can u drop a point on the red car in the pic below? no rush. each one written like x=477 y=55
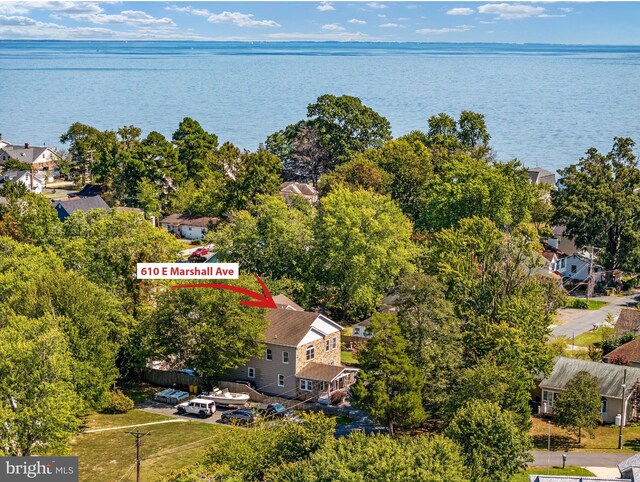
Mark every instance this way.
x=200 y=252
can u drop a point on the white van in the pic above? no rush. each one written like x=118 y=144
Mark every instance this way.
x=198 y=406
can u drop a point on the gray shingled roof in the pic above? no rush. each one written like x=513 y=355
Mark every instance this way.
x=180 y=219
x=283 y=301
x=633 y=461
x=288 y=327
x=24 y=155
x=66 y=207
x=569 y=478
x=610 y=377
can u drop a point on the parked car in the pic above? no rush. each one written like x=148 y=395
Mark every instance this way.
x=240 y=417
x=171 y=395
x=200 y=252
x=197 y=406
x=189 y=371
x=275 y=410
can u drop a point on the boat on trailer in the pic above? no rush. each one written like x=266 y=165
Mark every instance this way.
x=226 y=398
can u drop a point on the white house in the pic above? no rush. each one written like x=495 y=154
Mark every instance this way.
x=189 y=227
x=33 y=183
x=41 y=158
x=576 y=267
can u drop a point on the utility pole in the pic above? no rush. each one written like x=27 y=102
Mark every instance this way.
x=90 y=152
x=138 y=435
x=590 y=283
x=624 y=411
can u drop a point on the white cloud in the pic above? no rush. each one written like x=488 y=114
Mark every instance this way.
x=460 y=11
x=507 y=11
x=389 y=25
x=566 y=10
x=235 y=18
x=356 y=21
x=333 y=27
x=325 y=7
x=490 y=22
x=54 y=6
x=21 y=27
x=240 y=19
x=126 y=17
x=201 y=12
x=440 y=31
x=376 y=5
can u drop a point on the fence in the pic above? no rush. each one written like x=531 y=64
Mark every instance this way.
x=164 y=378
x=258 y=397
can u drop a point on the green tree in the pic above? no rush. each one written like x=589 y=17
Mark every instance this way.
x=358 y=173
x=270 y=239
x=378 y=458
x=347 y=126
x=598 y=200
x=467 y=187
x=256 y=173
x=433 y=334
x=34 y=284
x=507 y=386
x=363 y=244
x=87 y=146
x=196 y=147
x=29 y=218
x=39 y=410
x=13 y=190
x=389 y=385
x=207 y=330
x=494 y=446
x=578 y=407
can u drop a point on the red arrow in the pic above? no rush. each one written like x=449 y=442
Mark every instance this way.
x=264 y=300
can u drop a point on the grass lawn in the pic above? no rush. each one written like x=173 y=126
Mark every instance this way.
x=524 y=477
x=605 y=440
x=110 y=456
x=593 y=304
x=591 y=337
x=347 y=358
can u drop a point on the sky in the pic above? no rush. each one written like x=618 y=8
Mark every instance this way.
x=612 y=23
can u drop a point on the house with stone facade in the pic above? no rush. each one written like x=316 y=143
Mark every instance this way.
x=301 y=357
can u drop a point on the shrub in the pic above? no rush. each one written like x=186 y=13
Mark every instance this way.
x=578 y=303
x=117 y=402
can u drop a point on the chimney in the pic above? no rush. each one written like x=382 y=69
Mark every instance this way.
x=26 y=145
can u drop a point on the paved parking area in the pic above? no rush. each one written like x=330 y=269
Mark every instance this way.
x=170 y=411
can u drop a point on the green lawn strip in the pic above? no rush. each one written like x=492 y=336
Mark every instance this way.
x=347 y=358
x=133 y=417
x=577 y=302
x=107 y=456
x=590 y=337
x=605 y=438
x=524 y=477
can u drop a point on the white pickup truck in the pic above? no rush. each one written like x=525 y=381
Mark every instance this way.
x=198 y=406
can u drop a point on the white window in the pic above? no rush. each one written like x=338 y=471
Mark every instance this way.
x=285 y=357
x=251 y=372
x=549 y=397
x=334 y=341
x=603 y=410
x=356 y=331
x=268 y=355
x=327 y=345
x=311 y=353
x=281 y=380
x=306 y=385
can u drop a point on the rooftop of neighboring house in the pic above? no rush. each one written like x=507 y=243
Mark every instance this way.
x=610 y=377
x=186 y=220
x=24 y=153
x=629 y=352
x=88 y=190
x=284 y=302
x=304 y=190
x=628 y=320
x=15 y=175
x=292 y=327
x=539 y=174
x=69 y=206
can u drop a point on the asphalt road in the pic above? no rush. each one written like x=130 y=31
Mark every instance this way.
x=574 y=322
x=580 y=459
